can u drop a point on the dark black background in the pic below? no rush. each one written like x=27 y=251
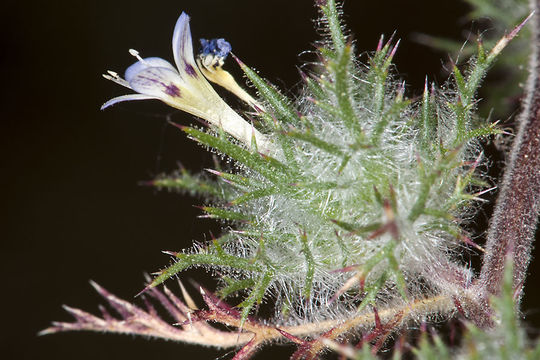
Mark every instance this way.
x=72 y=206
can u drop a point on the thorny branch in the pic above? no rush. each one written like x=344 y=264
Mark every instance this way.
x=193 y=325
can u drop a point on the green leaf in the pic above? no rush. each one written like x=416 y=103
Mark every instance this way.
x=330 y=109
x=183 y=181
x=257 y=293
x=398 y=274
x=439 y=214
x=427 y=181
x=378 y=257
x=353 y=228
x=234 y=179
x=429 y=121
x=255 y=194
x=234 y=286
x=310 y=265
x=331 y=15
x=371 y=291
x=460 y=82
x=391 y=114
x=218 y=213
x=286 y=144
x=315 y=88
x=343 y=248
x=488 y=130
x=341 y=70
x=267 y=166
x=184 y=261
x=278 y=102
x=317 y=142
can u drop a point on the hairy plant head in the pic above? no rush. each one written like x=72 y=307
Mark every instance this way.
x=356 y=195
x=345 y=203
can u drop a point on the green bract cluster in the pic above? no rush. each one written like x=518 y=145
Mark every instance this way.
x=362 y=191
x=502 y=93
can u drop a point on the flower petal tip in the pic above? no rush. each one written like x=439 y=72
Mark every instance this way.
x=181 y=24
x=183 y=16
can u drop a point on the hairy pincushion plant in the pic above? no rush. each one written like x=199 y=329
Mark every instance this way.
x=343 y=208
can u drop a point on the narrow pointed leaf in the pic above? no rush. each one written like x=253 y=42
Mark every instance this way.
x=218 y=213
x=185 y=261
x=265 y=165
x=280 y=104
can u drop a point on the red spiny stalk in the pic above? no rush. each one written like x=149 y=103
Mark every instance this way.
x=136 y=321
x=247 y=350
x=381 y=331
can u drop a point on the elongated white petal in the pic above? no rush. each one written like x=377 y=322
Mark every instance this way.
x=126 y=98
x=146 y=63
x=182 y=47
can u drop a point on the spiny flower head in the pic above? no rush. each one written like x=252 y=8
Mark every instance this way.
x=350 y=197
x=353 y=195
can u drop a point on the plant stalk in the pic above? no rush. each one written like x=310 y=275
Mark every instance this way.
x=512 y=228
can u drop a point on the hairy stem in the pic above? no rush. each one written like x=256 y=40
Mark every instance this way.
x=513 y=223
x=416 y=310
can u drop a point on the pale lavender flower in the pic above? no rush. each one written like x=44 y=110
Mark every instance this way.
x=183 y=87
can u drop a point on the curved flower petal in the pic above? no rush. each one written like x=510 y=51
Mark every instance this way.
x=159 y=82
x=126 y=98
x=146 y=63
x=183 y=47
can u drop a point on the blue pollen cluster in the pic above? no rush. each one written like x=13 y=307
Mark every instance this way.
x=217 y=47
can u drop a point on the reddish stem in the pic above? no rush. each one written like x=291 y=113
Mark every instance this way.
x=513 y=224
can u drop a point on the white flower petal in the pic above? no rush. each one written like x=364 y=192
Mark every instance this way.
x=146 y=63
x=126 y=98
x=183 y=48
x=159 y=82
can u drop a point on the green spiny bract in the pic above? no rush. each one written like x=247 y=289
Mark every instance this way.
x=502 y=98
x=362 y=192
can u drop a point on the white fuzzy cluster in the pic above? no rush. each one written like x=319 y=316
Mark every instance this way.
x=281 y=220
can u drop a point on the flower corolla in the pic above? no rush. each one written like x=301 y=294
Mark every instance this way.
x=183 y=87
